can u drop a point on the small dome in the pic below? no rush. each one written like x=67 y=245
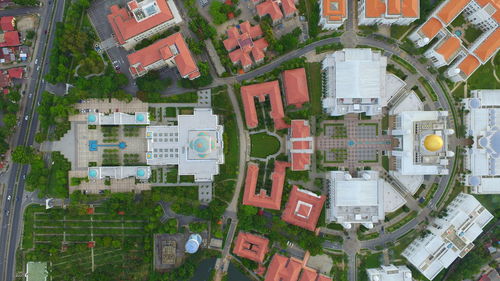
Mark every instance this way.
x=140 y=173
x=91 y=118
x=92 y=173
x=483 y=142
x=474 y=181
x=433 y=142
x=474 y=103
x=495 y=142
x=139 y=117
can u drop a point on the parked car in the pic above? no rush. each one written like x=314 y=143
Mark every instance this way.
x=26 y=117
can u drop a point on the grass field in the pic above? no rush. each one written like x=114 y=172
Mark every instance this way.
x=368 y=261
x=483 y=78
x=404 y=63
x=263 y=145
x=313 y=71
x=402 y=222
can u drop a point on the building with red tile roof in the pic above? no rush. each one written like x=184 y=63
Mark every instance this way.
x=303 y=208
x=447 y=49
x=141 y=20
x=400 y=12
x=261 y=90
x=170 y=51
x=245 y=45
x=7 y=23
x=333 y=13
x=283 y=269
x=295 y=87
x=300 y=144
x=250 y=246
x=261 y=199
x=9 y=39
x=276 y=9
x=16 y=73
x=309 y=274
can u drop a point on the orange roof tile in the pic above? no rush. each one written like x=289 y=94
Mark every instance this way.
x=394 y=7
x=374 y=8
x=162 y=50
x=469 y=65
x=411 y=8
x=451 y=9
x=309 y=274
x=10 y=39
x=242 y=40
x=125 y=26
x=449 y=48
x=7 y=23
x=303 y=208
x=262 y=200
x=300 y=129
x=489 y=46
x=271 y=8
x=431 y=28
x=288 y=7
x=271 y=89
x=16 y=72
x=251 y=247
x=334 y=10
x=283 y=269
x=295 y=84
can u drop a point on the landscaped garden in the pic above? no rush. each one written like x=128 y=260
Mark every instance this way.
x=263 y=145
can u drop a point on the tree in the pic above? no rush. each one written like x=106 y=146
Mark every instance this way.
x=205 y=78
x=9 y=120
x=26 y=2
x=195 y=46
x=23 y=154
x=152 y=82
x=216 y=11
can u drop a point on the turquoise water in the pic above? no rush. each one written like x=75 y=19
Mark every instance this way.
x=458 y=33
x=202 y=272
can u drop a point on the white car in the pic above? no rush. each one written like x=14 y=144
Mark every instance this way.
x=36 y=61
x=8 y=197
x=26 y=117
x=30 y=95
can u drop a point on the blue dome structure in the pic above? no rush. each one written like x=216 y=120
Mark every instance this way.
x=139 y=117
x=91 y=118
x=92 y=173
x=474 y=181
x=475 y=103
x=193 y=243
x=495 y=142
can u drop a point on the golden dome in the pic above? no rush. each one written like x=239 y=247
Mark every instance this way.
x=433 y=142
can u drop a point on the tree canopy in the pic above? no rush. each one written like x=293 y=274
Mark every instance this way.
x=23 y=154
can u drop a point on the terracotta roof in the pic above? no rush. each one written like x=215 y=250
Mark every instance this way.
x=288 y=7
x=262 y=200
x=16 y=73
x=411 y=8
x=295 y=84
x=489 y=46
x=125 y=26
x=309 y=274
x=300 y=129
x=451 y=9
x=241 y=39
x=431 y=28
x=163 y=50
x=283 y=269
x=7 y=23
x=374 y=8
x=303 y=208
x=449 y=48
x=469 y=65
x=271 y=8
x=251 y=246
x=334 y=10
x=394 y=7
x=271 y=89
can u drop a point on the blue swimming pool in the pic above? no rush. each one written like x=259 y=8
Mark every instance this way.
x=458 y=32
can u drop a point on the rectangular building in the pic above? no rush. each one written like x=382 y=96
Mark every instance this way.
x=400 y=12
x=333 y=13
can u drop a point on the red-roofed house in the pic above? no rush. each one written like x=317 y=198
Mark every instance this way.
x=276 y=9
x=283 y=269
x=142 y=19
x=272 y=90
x=303 y=208
x=262 y=200
x=444 y=51
x=300 y=144
x=295 y=84
x=309 y=274
x=171 y=51
x=16 y=72
x=10 y=39
x=7 y=23
x=250 y=246
x=243 y=44
x=400 y=12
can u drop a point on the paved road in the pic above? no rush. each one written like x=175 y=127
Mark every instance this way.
x=12 y=223
x=21 y=11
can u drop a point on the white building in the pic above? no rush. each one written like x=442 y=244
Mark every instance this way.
x=483 y=14
x=389 y=273
x=400 y=12
x=482 y=159
x=195 y=144
x=450 y=237
x=333 y=13
x=420 y=143
x=363 y=200
x=355 y=81
x=118 y=118
x=119 y=172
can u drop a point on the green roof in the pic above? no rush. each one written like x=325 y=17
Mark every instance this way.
x=36 y=271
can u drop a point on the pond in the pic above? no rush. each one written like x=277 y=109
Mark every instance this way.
x=203 y=270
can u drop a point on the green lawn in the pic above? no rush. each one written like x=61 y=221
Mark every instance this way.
x=313 y=71
x=458 y=94
x=404 y=63
x=491 y=203
x=399 y=30
x=263 y=145
x=385 y=162
x=483 y=78
x=368 y=261
x=472 y=33
x=458 y=21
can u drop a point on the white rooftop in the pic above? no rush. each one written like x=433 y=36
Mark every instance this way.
x=482 y=124
x=119 y=172
x=450 y=237
x=195 y=144
x=118 y=118
x=389 y=273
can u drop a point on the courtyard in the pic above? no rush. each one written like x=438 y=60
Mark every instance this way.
x=352 y=143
